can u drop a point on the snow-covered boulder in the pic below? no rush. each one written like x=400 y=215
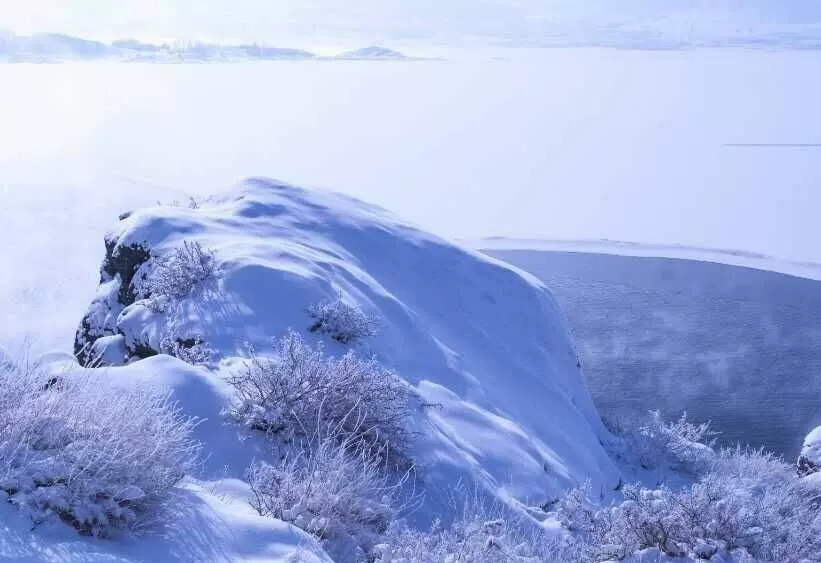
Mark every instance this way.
x=809 y=461
x=483 y=345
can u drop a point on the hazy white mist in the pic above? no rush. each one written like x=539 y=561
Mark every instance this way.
x=448 y=20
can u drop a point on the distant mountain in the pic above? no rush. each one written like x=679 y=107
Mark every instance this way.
x=373 y=53
x=51 y=47
x=47 y=45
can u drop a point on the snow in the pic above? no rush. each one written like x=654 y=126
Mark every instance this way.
x=482 y=342
x=122 y=137
x=211 y=523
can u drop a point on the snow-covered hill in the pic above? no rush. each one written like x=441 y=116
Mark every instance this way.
x=482 y=342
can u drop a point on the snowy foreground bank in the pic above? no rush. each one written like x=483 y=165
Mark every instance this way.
x=343 y=371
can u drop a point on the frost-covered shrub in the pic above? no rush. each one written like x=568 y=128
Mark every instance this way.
x=299 y=391
x=478 y=535
x=679 y=445
x=576 y=512
x=747 y=501
x=175 y=276
x=344 y=323
x=193 y=350
x=98 y=457
x=331 y=489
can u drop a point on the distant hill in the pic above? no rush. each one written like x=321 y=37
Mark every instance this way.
x=51 y=47
x=373 y=53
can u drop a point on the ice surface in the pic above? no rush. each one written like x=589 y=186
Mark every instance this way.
x=562 y=143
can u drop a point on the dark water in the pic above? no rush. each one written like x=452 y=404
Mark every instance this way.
x=737 y=346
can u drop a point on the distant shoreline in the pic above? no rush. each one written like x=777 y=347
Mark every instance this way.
x=56 y=48
x=807 y=270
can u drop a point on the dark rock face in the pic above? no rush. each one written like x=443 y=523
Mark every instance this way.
x=141 y=351
x=117 y=291
x=123 y=261
x=806 y=467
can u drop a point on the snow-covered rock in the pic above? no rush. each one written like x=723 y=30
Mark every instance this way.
x=809 y=461
x=483 y=344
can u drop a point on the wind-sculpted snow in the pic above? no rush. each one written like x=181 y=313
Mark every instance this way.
x=501 y=401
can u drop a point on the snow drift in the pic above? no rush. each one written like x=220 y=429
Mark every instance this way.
x=482 y=344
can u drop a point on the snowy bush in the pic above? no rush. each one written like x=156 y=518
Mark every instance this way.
x=344 y=323
x=301 y=392
x=478 y=535
x=193 y=350
x=680 y=445
x=747 y=501
x=331 y=489
x=176 y=275
x=98 y=457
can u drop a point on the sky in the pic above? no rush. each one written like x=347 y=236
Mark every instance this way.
x=271 y=20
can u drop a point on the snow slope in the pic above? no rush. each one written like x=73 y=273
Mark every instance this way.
x=209 y=526
x=808 y=270
x=483 y=342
